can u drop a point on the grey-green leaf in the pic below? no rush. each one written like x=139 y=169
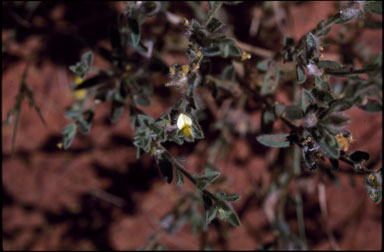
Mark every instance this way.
x=294 y=112
x=69 y=133
x=166 y=170
x=179 y=178
x=358 y=156
x=329 y=144
x=228 y=197
x=94 y=81
x=210 y=214
x=306 y=99
x=214 y=25
x=301 y=77
x=279 y=140
x=233 y=219
x=374 y=6
x=135 y=31
x=372 y=106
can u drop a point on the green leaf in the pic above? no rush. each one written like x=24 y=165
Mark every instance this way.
x=263 y=65
x=321 y=85
x=301 y=77
x=202 y=182
x=69 y=133
x=228 y=73
x=94 y=81
x=374 y=6
x=306 y=99
x=85 y=121
x=211 y=173
x=328 y=64
x=278 y=110
x=143 y=100
x=358 y=157
x=179 y=178
x=207 y=200
x=372 y=106
x=279 y=140
x=151 y=7
x=165 y=167
x=323 y=97
x=214 y=25
x=336 y=122
x=312 y=48
x=324 y=32
x=211 y=51
x=210 y=214
x=84 y=65
x=145 y=120
x=225 y=212
x=329 y=144
x=87 y=58
x=228 y=197
x=271 y=81
x=117 y=110
x=267 y=120
x=233 y=219
x=135 y=31
x=294 y=112
x=309 y=159
x=229 y=48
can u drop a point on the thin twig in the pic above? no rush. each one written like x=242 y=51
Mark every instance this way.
x=265 y=53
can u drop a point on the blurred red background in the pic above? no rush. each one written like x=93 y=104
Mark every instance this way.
x=97 y=196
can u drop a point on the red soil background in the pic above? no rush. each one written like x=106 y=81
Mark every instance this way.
x=55 y=199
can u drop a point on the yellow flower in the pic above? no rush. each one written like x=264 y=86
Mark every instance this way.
x=184 y=124
x=79 y=94
x=186 y=22
x=171 y=71
x=185 y=69
x=59 y=145
x=344 y=142
x=198 y=53
x=245 y=56
x=371 y=177
x=195 y=67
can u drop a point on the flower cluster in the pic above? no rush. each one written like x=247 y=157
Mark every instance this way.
x=344 y=140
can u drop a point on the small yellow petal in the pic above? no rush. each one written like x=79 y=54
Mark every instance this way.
x=80 y=94
x=245 y=56
x=185 y=69
x=187 y=131
x=78 y=80
x=60 y=145
x=342 y=142
x=172 y=71
x=371 y=177
x=186 y=22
